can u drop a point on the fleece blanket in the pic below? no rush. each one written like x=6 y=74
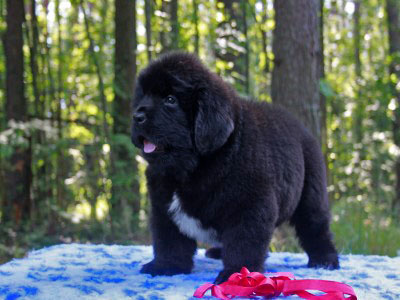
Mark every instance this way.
x=76 y=271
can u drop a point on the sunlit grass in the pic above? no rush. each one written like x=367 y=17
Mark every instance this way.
x=358 y=229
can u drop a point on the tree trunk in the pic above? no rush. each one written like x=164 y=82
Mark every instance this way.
x=33 y=50
x=125 y=194
x=360 y=101
x=16 y=106
x=60 y=96
x=295 y=74
x=33 y=40
x=321 y=75
x=393 y=17
x=196 y=26
x=18 y=178
x=247 y=48
x=174 y=24
x=264 y=35
x=148 y=7
x=48 y=62
x=163 y=24
x=125 y=63
x=47 y=107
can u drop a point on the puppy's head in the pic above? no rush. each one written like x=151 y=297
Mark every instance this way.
x=180 y=108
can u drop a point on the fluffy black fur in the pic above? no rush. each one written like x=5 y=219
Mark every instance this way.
x=239 y=167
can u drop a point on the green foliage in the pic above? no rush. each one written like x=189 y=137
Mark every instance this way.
x=326 y=89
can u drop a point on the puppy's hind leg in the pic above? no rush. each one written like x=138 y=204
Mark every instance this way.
x=312 y=216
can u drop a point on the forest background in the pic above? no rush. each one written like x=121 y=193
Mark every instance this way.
x=68 y=171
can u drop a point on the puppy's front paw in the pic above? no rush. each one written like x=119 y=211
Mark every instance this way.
x=328 y=261
x=224 y=275
x=155 y=268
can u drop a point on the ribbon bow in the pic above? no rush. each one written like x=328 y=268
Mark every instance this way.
x=248 y=284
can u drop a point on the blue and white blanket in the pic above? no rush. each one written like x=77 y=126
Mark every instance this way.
x=76 y=271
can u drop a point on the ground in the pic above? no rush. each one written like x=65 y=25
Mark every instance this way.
x=76 y=271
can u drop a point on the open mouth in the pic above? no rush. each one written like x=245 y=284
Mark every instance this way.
x=148 y=147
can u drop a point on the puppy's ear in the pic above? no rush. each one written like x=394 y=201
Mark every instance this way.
x=213 y=123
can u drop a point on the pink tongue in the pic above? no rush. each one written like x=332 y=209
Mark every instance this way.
x=148 y=147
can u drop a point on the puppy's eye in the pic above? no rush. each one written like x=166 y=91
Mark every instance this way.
x=170 y=100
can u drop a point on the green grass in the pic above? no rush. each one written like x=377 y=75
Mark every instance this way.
x=365 y=229
x=358 y=228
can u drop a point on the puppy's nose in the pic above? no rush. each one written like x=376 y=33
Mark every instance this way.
x=139 y=117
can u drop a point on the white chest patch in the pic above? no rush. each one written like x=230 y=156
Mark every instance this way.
x=191 y=226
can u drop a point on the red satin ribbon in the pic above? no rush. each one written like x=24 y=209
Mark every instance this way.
x=248 y=284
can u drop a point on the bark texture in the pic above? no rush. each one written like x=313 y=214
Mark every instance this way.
x=174 y=25
x=125 y=193
x=19 y=176
x=393 y=17
x=296 y=73
x=196 y=27
x=125 y=63
x=148 y=8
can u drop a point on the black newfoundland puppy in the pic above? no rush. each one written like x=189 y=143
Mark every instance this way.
x=224 y=171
